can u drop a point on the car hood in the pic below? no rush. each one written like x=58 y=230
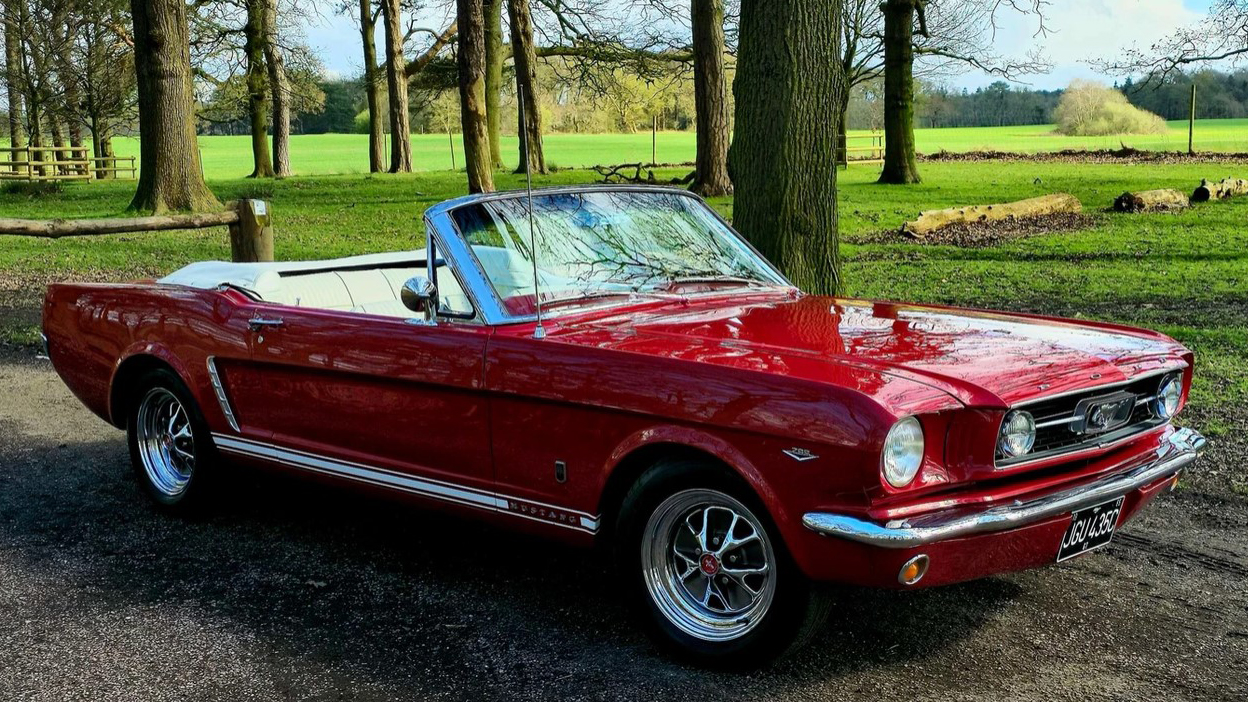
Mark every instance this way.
x=982 y=358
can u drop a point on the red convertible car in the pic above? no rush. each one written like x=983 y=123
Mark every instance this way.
x=649 y=381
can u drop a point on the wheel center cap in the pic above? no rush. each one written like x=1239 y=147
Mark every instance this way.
x=709 y=564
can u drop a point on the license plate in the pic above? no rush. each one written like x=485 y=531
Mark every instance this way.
x=1090 y=529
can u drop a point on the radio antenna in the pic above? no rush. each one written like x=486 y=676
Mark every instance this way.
x=539 y=332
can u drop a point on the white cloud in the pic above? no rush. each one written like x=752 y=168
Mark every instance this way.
x=1079 y=30
x=1082 y=30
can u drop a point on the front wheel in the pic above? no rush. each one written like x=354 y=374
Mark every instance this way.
x=710 y=571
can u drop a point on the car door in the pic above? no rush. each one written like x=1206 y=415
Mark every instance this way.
x=373 y=399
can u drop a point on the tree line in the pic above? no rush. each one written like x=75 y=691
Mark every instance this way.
x=1220 y=95
x=792 y=65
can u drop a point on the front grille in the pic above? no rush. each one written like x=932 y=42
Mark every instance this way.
x=1059 y=421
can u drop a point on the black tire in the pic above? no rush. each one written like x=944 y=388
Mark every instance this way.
x=794 y=612
x=169 y=489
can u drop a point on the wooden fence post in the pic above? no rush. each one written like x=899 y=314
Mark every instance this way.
x=251 y=239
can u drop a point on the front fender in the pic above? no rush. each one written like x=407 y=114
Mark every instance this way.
x=703 y=442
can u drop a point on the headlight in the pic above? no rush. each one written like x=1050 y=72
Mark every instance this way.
x=1168 y=395
x=903 y=452
x=1018 y=434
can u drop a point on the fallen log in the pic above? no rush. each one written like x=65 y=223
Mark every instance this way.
x=932 y=220
x=57 y=228
x=1150 y=201
x=1221 y=190
x=617 y=174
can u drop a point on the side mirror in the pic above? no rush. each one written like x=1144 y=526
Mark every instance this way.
x=420 y=295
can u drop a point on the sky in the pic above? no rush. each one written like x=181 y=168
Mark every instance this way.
x=1079 y=30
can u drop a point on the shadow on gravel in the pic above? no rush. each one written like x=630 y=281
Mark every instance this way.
x=364 y=589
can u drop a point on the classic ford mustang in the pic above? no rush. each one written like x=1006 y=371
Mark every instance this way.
x=646 y=380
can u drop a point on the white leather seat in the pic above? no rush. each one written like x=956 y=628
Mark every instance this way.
x=450 y=293
x=368 y=286
x=356 y=286
x=511 y=274
x=325 y=291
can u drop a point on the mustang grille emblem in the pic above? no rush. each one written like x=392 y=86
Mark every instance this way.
x=800 y=454
x=1101 y=414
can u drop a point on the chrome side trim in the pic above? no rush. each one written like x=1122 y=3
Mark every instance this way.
x=219 y=390
x=522 y=508
x=1180 y=449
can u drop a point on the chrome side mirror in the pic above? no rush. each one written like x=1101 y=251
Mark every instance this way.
x=420 y=295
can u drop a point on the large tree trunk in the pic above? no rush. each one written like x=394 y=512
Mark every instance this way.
x=97 y=148
x=710 y=99
x=472 y=96
x=900 y=165
x=493 y=11
x=372 y=88
x=280 y=87
x=524 y=55
x=34 y=77
x=57 y=132
x=782 y=161
x=170 y=176
x=12 y=78
x=63 y=36
x=396 y=81
x=257 y=89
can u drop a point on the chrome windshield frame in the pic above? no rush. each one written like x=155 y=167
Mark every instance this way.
x=455 y=250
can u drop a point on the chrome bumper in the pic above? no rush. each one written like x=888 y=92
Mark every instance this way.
x=44 y=354
x=1181 y=448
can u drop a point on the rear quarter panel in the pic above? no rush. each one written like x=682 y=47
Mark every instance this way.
x=93 y=330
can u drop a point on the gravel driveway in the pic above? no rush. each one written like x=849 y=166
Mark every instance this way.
x=292 y=591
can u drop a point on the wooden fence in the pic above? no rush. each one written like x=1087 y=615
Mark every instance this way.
x=873 y=152
x=62 y=163
x=251 y=230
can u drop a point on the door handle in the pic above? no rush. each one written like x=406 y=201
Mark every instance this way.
x=260 y=323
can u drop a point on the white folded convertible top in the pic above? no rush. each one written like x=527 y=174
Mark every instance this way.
x=257 y=277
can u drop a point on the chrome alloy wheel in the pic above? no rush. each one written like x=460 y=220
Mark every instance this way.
x=708 y=564
x=166 y=442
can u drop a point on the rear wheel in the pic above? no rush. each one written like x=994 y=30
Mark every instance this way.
x=170 y=448
x=709 y=569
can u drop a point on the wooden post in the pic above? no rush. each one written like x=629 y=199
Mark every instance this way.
x=1191 y=121
x=654 y=140
x=251 y=240
x=451 y=139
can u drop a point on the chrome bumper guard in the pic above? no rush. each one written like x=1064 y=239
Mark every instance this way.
x=1180 y=448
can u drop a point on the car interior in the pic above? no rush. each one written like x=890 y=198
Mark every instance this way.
x=368 y=284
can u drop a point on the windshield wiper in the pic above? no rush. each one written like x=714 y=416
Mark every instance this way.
x=590 y=297
x=725 y=279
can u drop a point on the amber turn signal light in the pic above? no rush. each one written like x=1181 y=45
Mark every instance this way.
x=913 y=570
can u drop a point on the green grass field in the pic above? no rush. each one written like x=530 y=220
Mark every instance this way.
x=322 y=154
x=1185 y=274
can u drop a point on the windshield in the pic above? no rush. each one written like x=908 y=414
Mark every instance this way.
x=593 y=246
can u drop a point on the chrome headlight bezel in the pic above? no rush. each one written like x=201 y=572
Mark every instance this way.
x=903 y=452
x=1017 y=436
x=1169 y=395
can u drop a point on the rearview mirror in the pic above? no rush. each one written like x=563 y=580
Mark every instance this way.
x=420 y=295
